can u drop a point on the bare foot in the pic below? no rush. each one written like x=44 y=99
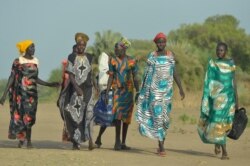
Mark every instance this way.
x=91 y=147
x=125 y=147
x=98 y=143
x=217 y=149
x=29 y=145
x=76 y=146
x=20 y=144
x=117 y=146
x=224 y=157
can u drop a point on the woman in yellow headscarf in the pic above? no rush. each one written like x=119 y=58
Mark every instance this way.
x=22 y=88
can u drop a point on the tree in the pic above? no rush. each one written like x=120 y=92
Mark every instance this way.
x=104 y=42
x=218 y=28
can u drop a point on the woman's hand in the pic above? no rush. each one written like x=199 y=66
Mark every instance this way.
x=79 y=91
x=136 y=97
x=97 y=91
x=182 y=94
x=2 y=100
x=106 y=98
x=236 y=106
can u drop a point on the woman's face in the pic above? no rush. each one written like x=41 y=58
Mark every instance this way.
x=81 y=45
x=161 y=44
x=221 y=52
x=119 y=51
x=30 y=50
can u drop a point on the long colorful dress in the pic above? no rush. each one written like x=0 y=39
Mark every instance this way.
x=123 y=87
x=155 y=99
x=23 y=97
x=77 y=111
x=218 y=102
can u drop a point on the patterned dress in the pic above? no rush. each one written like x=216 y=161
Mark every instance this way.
x=155 y=99
x=218 y=102
x=23 y=97
x=77 y=111
x=123 y=86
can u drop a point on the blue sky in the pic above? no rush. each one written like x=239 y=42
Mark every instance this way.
x=51 y=24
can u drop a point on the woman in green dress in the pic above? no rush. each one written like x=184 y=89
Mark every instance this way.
x=219 y=101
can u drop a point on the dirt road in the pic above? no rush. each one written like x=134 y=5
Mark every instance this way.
x=184 y=148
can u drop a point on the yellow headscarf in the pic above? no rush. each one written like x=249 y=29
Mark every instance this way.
x=81 y=36
x=124 y=43
x=23 y=45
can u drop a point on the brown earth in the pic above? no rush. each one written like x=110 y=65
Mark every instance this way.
x=183 y=145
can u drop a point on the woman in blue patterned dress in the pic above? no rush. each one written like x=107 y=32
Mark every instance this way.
x=155 y=99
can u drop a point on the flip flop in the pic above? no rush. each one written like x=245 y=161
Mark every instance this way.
x=161 y=154
x=98 y=144
x=125 y=147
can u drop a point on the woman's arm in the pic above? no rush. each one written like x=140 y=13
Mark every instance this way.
x=178 y=82
x=50 y=84
x=76 y=87
x=136 y=85
x=110 y=80
x=235 y=93
x=95 y=84
x=10 y=82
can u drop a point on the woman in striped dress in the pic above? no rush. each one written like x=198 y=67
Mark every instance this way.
x=155 y=99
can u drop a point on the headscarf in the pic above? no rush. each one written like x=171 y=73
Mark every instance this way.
x=81 y=37
x=124 y=43
x=160 y=35
x=23 y=45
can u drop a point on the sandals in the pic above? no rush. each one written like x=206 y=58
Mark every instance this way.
x=117 y=146
x=161 y=153
x=125 y=147
x=98 y=143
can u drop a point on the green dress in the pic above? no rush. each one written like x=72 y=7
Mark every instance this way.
x=218 y=102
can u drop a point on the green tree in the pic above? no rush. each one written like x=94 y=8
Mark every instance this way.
x=104 y=42
x=217 y=28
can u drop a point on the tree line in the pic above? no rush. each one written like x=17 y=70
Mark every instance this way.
x=192 y=44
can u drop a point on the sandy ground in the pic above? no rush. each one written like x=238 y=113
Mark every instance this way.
x=183 y=146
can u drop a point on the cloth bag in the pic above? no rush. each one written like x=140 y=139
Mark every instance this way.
x=103 y=114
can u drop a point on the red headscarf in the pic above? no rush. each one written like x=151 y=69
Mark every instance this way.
x=160 y=35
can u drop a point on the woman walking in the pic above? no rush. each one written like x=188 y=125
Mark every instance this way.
x=155 y=99
x=23 y=97
x=76 y=99
x=123 y=78
x=219 y=101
